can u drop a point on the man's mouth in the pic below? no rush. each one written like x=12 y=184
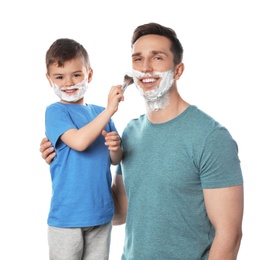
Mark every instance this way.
x=149 y=82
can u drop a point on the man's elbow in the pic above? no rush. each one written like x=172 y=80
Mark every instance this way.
x=238 y=239
x=118 y=220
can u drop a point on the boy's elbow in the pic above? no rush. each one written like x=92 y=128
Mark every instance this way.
x=80 y=146
x=79 y=149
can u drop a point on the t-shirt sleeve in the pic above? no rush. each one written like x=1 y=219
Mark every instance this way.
x=57 y=122
x=220 y=163
x=112 y=126
x=118 y=169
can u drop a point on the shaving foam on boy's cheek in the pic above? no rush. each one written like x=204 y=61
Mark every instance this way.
x=80 y=88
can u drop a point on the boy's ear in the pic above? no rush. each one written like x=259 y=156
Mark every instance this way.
x=49 y=80
x=90 y=74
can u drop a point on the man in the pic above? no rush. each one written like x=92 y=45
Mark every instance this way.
x=180 y=168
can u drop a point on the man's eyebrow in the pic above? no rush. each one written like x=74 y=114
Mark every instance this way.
x=136 y=54
x=152 y=52
x=158 y=52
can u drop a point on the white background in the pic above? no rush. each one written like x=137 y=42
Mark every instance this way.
x=229 y=57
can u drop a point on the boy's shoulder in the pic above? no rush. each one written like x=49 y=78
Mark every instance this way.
x=96 y=107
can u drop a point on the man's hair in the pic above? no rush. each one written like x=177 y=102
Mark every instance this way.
x=63 y=50
x=155 y=28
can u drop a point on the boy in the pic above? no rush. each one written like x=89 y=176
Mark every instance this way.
x=86 y=144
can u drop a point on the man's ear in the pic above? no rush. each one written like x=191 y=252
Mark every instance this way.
x=179 y=69
x=90 y=74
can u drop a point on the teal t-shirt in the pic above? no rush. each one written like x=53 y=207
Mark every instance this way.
x=165 y=167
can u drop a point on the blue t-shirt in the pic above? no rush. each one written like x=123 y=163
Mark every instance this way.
x=81 y=181
x=165 y=167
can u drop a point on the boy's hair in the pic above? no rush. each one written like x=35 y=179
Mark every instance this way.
x=155 y=28
x=65 y=49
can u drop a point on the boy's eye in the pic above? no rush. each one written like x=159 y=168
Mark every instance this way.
x=59 y=77
x=77 y=75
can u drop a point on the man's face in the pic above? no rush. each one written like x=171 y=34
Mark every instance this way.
x=151 y=53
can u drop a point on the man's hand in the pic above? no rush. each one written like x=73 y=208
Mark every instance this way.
x=47 y=150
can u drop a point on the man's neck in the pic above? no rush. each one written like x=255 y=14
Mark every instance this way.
x=173 y=109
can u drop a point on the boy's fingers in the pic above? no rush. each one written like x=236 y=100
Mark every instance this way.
x=104 y=133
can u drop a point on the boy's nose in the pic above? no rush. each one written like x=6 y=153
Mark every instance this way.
x=68 y=82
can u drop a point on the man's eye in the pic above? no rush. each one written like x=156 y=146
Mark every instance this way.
x=158 y=58
x=136 y=59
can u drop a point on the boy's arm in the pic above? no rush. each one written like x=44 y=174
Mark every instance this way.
x=113 y=141
x=80 y=139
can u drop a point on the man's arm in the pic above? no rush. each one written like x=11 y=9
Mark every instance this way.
x=120 y=200
x=225 y=210
x=47 y=150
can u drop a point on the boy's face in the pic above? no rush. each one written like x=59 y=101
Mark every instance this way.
x=72 y=73
x=69 y=81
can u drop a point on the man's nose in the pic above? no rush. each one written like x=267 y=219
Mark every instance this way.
x=146 y=66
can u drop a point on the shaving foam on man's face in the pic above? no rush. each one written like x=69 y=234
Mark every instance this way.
x=158 y=97
x=72 y=93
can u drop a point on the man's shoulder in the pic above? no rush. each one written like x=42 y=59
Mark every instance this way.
x=137 y=121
